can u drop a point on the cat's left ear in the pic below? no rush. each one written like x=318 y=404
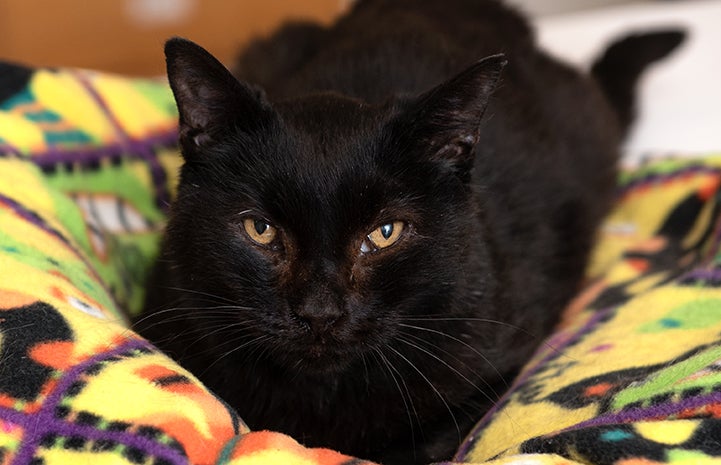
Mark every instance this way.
x=448 y=117
x=210 y=99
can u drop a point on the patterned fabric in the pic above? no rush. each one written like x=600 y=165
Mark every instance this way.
x=87 y=163
x=633 y=375
x=106 y=145
x=87 y=168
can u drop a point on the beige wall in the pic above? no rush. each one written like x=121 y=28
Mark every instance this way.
x=127 y=36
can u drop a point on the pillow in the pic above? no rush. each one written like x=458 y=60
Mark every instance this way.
x=87 y=167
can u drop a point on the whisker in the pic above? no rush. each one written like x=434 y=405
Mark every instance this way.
x=366 y=372
x=405 y=396
x=219 y=298
x=486 y=320
x=209 y=331
x=255 y=341
x=203 y=330
x=425 y=378
x=451 y=355
x=179 y=313
x=474 y=319
x=453 y=369
x=453 y=338
x=212 y=351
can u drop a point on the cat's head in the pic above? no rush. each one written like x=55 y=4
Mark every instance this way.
x=323 y=222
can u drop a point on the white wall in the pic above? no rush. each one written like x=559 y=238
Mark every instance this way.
x=545 y=7
x=680 y=98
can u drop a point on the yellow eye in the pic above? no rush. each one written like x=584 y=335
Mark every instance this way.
x=259 y=231
x=383 y=236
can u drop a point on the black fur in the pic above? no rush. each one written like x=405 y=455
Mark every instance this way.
x=623 y=62
x=500 y=170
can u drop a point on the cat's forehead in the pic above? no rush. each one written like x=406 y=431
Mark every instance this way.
x=332 y=142
x=323 y=164
x=332 y=121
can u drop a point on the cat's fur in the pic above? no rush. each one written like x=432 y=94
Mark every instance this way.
x=501 y=171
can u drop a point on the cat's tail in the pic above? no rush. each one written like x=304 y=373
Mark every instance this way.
x=618 y=69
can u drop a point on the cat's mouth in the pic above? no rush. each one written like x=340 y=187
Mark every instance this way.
x=321 y=357
x=330 y=349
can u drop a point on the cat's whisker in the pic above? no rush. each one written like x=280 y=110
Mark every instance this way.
x=464 y=343
x=406 y=396
x=163 y=312
x=180 y=313
x=254 y=341
x=472 y=319
x=229 y=317
x=235 y=328
x=485 y=394
x=249 y=353
x=365 y=367
x=144 y=316
x=218 y=298
x=209 y=331
x=544 y=342
x=450 y=355
x=188 y=333
x=232 y=343
x=505 y=413
x=432 y=386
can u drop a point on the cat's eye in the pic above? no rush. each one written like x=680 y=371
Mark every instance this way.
x=383 y=236
x=259 y=231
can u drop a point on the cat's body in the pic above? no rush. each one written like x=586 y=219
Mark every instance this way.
x=364 y=268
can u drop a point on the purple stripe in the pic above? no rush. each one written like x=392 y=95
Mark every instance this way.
x=90 y=152
x=84 y=153
x=70 y=375
x=557 y=344
x=162 y=194
x=59 y=427
x=653 y=178
x=703 y=274
x=648 y=413
x=43 y=420
x=144 y=150
x=7 y=149
x=157 y=174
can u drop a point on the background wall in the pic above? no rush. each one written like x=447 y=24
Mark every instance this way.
x=546 y=7
x=127 y=36
x=679 y=99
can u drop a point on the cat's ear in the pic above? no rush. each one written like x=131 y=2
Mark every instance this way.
x=210 y=99
x=448 y=117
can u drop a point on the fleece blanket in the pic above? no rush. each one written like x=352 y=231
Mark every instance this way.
x=87 y=168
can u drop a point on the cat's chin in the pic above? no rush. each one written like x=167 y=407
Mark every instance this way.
x=321 y=360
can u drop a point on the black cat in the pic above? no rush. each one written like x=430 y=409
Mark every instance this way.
x=364 y=256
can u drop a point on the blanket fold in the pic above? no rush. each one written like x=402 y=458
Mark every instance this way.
x=88 y=163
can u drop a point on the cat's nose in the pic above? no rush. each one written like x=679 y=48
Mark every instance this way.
x=318 y=317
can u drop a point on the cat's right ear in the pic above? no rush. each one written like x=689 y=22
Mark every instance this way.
x=210 y=99
x=447 y=119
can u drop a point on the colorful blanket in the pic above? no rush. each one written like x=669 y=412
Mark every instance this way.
x=87 y=168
